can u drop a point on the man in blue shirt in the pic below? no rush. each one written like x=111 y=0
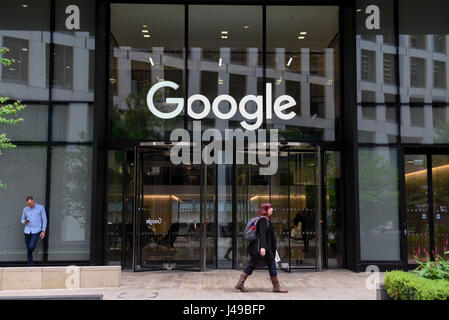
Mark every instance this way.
x=35 y=220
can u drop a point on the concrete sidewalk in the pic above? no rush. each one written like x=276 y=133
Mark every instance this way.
x=218 y=285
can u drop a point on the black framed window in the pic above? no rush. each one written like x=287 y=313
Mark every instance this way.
x=53 y=76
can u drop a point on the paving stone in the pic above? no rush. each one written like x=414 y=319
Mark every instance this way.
x=218 y=284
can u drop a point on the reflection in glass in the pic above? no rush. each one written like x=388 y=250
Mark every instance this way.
x=74 y=53
x=440 y=186
x=25 y=79
x=73 y=122
x=423 y=35
x=425 y=124
x=223 y=57
x=334 y=214
x=114 y=227
x=417 y=206
x=376 y=54
x=303 y=61
x=379 y=204
x=168 y=213
x=71 y=180
x=377 y=124
x=303 y=211
x=23 y=171
x=34 y=126
x=144 y=51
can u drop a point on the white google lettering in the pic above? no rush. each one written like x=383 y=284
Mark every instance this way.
x=281 y=104
x=151 y=222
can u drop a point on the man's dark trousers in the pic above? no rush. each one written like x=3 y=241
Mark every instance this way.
x=31 y=240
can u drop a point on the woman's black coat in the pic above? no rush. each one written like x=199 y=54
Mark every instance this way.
x=266 y=239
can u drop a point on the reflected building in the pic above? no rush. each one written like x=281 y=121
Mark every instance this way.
x=361 y=176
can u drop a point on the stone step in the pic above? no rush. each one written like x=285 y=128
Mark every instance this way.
x=27 y=278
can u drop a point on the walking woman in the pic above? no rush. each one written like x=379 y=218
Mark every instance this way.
x=267 y=252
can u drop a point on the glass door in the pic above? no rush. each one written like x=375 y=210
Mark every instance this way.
x=295 y=193
x=168 y=213
x=427 y=202
x=304 y=208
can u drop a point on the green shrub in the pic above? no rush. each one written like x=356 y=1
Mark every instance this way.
x=401 y=285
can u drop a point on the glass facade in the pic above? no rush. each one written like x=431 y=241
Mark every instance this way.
x=360 y=174
x=52 y=74
x=402 y=102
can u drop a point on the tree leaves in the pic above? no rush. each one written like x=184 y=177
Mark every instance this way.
x=9 y=111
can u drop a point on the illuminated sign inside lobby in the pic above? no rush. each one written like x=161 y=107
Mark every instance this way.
x=260 y=151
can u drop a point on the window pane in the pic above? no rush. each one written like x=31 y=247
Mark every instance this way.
x=368 y=65
x=23 y=170
x=423 y=32
x=417 y=72
x=63 y=71
x=114 y=207
x=389 y=69
x=425 y=124
x=71 y=180
x=379 y=204
x=439 y=74
x=34 y=126
x=73 y=122
x=145 y=50
x=334 y=214
x=377 y=124
x=376 y=53
x=24 y=29
x=74 y=53
x=303 y=61
x=224 y=51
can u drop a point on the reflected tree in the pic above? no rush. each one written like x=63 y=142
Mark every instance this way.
x=378 y=190
x=9 y=110
x=137 y=122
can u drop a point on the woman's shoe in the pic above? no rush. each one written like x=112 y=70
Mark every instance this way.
x=239 y=285
x=276 y=285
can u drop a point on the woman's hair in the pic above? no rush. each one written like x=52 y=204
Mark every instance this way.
x=263 y=211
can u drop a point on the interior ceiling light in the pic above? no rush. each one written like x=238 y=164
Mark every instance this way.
x=144 y=31
x=224 y=37
x=301 y=37
x=303 y=33
x=289 y=61
x=220 y=62
x=358 y=10
x=144 y=26
x=24 y=5
x=224 y=32
x=146 y=35
x=151 y=61
x=246 y=27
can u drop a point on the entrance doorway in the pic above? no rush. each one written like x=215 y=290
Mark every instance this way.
x=168 y=219
x=295 y=193
x=427 y=203
x=190 y=217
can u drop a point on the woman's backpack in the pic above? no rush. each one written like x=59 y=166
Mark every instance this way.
x=250 y=232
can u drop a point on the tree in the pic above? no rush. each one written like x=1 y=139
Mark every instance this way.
x=9 y=111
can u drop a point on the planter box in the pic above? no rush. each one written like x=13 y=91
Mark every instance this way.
x=382 y=293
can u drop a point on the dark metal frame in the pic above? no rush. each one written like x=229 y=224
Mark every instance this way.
x=428 y=152
x=49 y=143
x=337 y=145
x=402 y=149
